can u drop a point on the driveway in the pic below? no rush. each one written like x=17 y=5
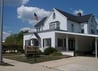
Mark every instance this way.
x=67 y=64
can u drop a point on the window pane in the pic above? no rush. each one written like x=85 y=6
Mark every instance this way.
x=82 y=30
x=47 y=42
x=35 y=42
x=27 y=43
x=60 y=42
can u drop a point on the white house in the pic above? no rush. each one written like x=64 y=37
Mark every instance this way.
x=65 y=32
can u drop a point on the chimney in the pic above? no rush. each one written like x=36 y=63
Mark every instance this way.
x=79 y=14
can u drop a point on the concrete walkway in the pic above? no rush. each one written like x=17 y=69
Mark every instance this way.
x=21 y=66
x=67 y=64
x=74 y=64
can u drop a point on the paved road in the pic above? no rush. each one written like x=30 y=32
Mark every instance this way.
x=67 y=64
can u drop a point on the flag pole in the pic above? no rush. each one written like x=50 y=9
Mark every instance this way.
x=1 y=30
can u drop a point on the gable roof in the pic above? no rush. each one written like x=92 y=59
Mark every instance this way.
x=41 y=22
x=79 y=19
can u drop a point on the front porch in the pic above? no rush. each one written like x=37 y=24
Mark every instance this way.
x=67 y=42
x=71 y=44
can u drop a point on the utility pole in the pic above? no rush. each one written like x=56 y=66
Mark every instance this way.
x=1 y=29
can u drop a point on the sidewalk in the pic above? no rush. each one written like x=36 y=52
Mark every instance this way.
x=66 y=64
x=21 y=66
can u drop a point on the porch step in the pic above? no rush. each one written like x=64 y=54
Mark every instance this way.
x=70 y=53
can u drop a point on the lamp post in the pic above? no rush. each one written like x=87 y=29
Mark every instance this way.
x=1 y=29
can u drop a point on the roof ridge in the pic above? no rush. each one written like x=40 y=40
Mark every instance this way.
x=75 y=18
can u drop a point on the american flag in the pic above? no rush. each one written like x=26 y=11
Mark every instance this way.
x=35 y=17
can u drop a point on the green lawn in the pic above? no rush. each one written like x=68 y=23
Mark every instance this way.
x=21 y=57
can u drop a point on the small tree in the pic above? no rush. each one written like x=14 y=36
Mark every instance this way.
x=15 y=40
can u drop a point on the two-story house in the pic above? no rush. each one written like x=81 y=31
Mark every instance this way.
x=64 y=32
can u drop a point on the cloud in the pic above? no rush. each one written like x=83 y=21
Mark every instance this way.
x=15 y=2
x=25 y=29
x=25 y=1
x=77 y=11
x=5 y=35
x=26 y=13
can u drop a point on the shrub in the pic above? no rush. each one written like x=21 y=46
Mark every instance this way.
x=56 y=54
x=49 y=50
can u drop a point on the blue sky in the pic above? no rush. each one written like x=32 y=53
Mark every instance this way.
x=18 y=14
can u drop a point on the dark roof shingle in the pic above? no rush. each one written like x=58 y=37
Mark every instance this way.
x=79 y=19
x=41 y=22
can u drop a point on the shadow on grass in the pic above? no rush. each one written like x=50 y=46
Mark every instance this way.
x=5 y=64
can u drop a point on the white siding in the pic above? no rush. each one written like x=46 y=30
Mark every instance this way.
x=92 y=25
x=85 y=27
x=43 y=35
x=58 y=17
x=27 y=37
x=76 y=26
x=47 y=35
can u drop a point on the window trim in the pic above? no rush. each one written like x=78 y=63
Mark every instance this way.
x=49 y=44
x=54 y=25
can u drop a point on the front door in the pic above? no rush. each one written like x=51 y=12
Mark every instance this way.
x=71 y=44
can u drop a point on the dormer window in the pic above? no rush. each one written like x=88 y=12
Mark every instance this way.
x=53 y=15
x=54 y=25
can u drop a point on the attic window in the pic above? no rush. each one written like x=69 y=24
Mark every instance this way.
x=53 y=15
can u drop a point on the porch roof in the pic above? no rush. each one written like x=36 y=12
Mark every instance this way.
x=78 y=34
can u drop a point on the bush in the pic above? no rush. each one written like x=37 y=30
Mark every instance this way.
x=56 y=54
x=49 y=50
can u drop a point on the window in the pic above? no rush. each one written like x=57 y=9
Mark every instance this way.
x=82 y=28
x=35 y=42
x=47 y=42
x=72 y=27
x=54 y=25
x=58 y=25
x=53 y=15
x=60 y=42
x=38 y=29
x=27 y=43
x=92 y=31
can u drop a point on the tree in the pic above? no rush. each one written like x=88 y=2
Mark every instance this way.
x=15 y=41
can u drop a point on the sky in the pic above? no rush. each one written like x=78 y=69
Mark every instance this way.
x=19 y=14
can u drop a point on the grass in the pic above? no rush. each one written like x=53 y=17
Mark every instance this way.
x=22 y=58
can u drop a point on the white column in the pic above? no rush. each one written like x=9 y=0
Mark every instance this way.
x=66 y=42
x=76 y=43
x=96 y=47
